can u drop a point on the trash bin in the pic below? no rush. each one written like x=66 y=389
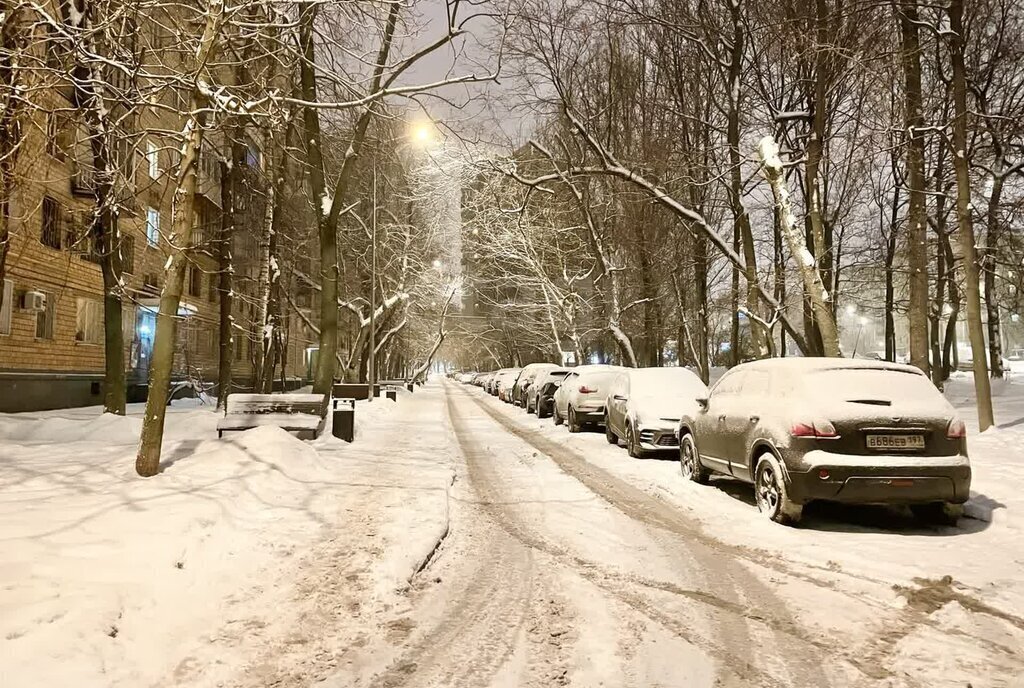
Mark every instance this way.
x=391 y=393
x=344 y=421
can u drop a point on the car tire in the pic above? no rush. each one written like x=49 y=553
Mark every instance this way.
x=632 y=446
x=573 y=424
x=608 y=434
x=541 y=413
x=771 y=494
x=689 y=461
x=557 y=416
x=938 y=513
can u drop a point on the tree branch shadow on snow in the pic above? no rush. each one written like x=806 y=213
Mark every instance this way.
x=859 y=518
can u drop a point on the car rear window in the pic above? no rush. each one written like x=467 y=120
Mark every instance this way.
x=869 y=384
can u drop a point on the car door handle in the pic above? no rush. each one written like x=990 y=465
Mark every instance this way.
x=754 y=419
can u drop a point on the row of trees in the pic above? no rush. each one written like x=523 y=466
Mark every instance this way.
x=706 y=167
x=304 y=107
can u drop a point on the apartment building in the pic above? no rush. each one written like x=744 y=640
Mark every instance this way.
x=51 y=319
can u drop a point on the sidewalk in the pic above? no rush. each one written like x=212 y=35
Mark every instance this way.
x=198 y=576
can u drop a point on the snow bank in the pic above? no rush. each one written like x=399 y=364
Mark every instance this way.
x=107 y=579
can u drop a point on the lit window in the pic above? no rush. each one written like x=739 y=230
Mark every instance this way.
x=153 y=159
x=152 y=226
x=6 y=308
x=89 y=322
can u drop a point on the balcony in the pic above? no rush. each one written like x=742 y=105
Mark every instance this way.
x=83 y=181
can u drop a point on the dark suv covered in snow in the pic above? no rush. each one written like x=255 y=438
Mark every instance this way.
x=857 y=431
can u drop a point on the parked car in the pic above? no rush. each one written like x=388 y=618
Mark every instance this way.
x=526 y=377
x=645 y=405
x=505 y=382
x=580 y=399
x=546 y=396
x=492 y=382
x=541 y=392
x=842 y=430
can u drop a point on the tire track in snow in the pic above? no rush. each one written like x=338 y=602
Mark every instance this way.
x=800 y=653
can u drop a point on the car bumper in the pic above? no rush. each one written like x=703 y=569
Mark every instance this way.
x=658 y=439
x=590 y=415
x=880 y=479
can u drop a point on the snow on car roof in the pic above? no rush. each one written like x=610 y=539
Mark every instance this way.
x=810 y=363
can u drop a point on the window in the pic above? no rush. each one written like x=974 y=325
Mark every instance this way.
x=239 y=343
x=89 y=328
x=253 y=156
x=57 y=135
x=150 y=283
x=152 y=159
x=212 y=293
x=152 y=226
x=6 y=308
x=45 y=319
x=50 y=235
x=128 y=254
x=195 y=281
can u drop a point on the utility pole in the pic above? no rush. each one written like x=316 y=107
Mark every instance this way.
x=372 y=362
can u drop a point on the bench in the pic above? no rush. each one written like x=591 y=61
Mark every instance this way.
x=291 y=412
x=360 y=391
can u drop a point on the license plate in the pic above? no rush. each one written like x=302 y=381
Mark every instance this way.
x=898 y=442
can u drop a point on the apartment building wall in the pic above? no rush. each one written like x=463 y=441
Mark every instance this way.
x=54 y=358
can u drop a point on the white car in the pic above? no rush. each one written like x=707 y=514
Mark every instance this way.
x=644 y=407
x=581 y=398
x=505 y=381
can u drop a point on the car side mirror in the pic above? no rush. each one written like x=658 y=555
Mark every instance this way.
x=702 y=402
x=619 y=397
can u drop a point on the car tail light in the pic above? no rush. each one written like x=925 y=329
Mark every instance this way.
x=956 y=430
x=587 y=390
x=821 y=429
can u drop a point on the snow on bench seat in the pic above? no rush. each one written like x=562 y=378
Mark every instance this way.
x=292 y=412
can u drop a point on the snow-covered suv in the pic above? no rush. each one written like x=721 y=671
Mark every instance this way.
x=802 y=429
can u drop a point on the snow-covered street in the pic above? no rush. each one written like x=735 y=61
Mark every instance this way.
x=265 y=560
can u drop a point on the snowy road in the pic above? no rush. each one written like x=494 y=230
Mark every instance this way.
x=559 y=571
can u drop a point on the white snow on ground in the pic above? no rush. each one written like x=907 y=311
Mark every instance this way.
x=984 y=555
x=188 y=578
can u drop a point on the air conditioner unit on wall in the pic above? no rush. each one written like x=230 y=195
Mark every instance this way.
x=33 y=301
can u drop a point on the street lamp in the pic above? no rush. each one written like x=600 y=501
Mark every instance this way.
x=422 y=134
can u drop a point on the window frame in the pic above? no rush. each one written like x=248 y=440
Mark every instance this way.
x=7 y=308
x=96 y=323
x=49 y=320
x=152 y=229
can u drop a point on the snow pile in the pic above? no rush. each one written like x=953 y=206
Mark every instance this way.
x=110 y=580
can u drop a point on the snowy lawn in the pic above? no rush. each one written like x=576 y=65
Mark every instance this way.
x=189 y=577
x=984 y=555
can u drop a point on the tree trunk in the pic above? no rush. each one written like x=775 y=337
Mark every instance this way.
x=988 y=267
x=88 y=81
x=975 y=328
x=813 y=285
x=917 y=233
x=147 y=462
x=328 y=208
x=815 y=153
x=225 y=268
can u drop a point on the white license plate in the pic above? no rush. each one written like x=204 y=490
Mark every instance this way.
x=895 y=442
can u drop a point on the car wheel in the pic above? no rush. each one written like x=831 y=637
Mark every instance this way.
x=689 y=461
x=938 y=513
x=574 y=425
x=608 y=434
x=771 y=494
x=541 y=411
x=556 y=414
x=632 y=444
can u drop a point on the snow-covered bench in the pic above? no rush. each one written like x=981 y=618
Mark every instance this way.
x=292 y=412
